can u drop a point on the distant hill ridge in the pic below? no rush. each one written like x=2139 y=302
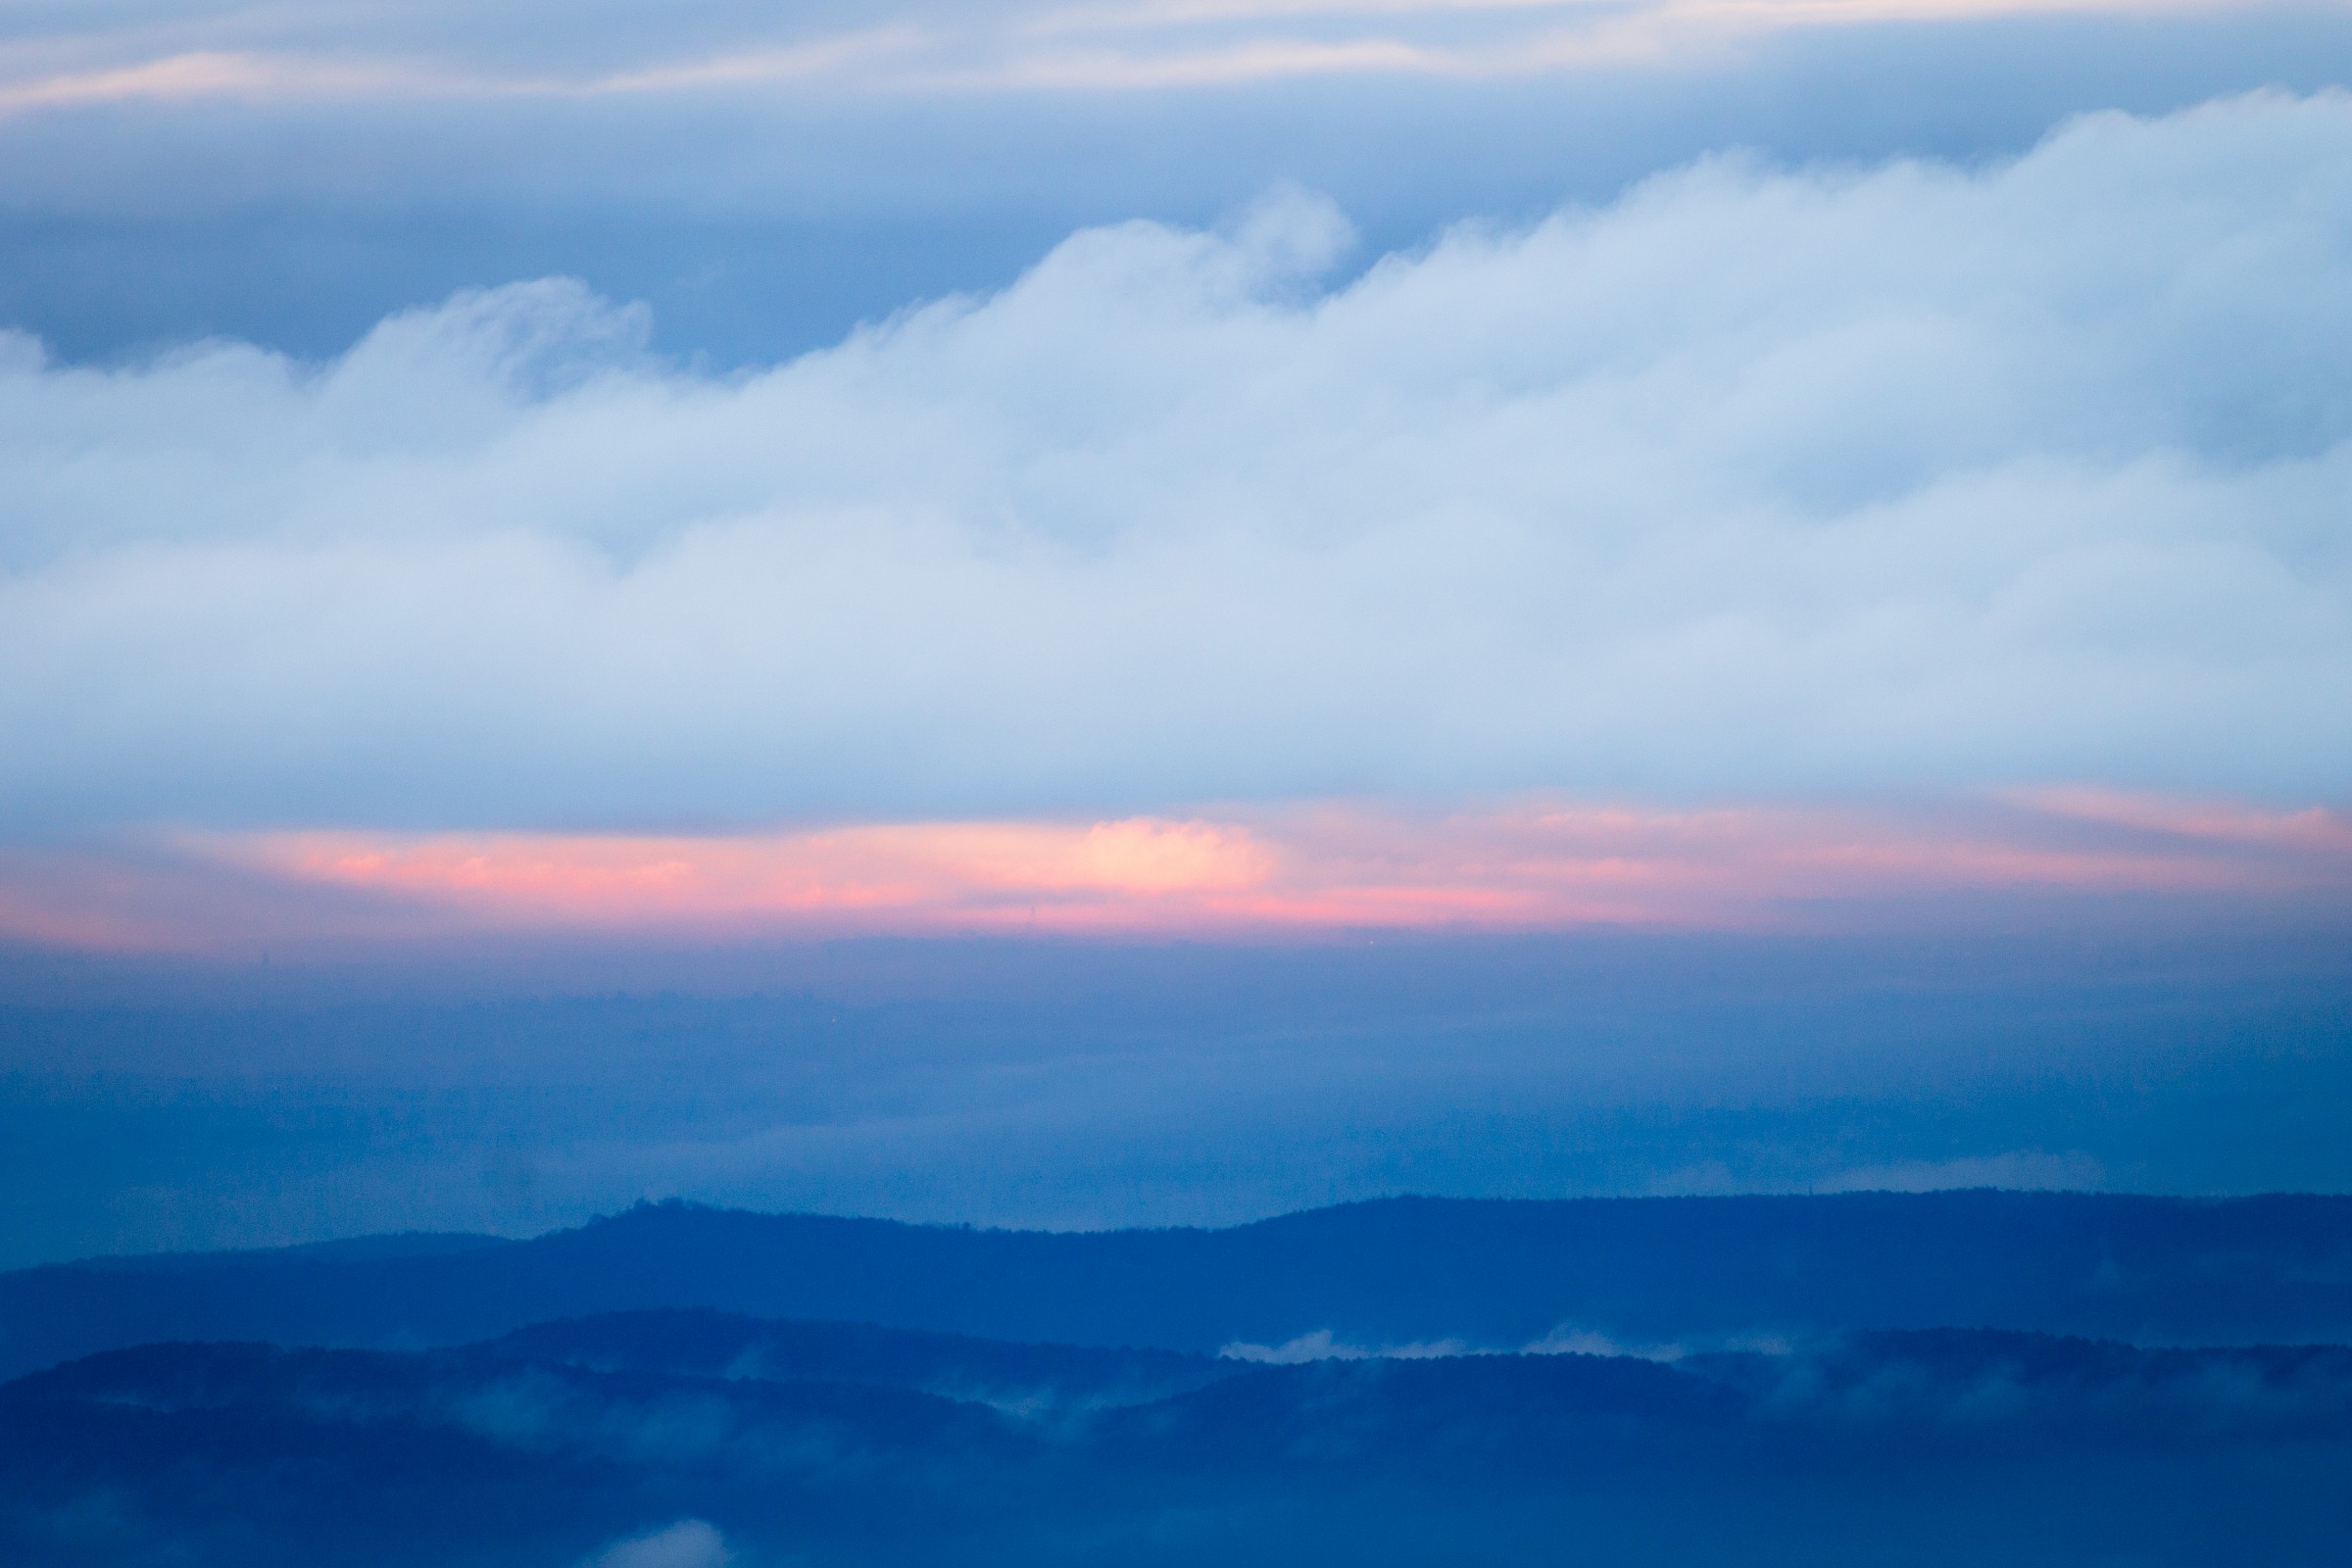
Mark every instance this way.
x=1488 y=1273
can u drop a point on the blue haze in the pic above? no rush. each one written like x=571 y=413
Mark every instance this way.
x=1069 y=1086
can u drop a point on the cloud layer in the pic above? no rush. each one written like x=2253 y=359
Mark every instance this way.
x=1911 y=479
x=1538 y=867
x=131 y=52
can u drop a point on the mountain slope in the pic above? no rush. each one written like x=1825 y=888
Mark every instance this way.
x=1491 y=1274
x=1937 y=1448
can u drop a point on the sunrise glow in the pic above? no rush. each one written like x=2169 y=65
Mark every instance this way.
x=1524 y=867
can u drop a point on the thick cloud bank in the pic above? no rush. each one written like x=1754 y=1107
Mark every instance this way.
x=1908 y=477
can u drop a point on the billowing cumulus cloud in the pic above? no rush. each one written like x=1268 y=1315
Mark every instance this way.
x=1913 y=477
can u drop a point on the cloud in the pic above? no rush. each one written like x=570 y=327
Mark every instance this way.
x=1323 y=1345
x=688 y=1544
x=1528 y=866
x=1913 y=478
x=1306 y=869
x=2021 y=1169
x=344 y=53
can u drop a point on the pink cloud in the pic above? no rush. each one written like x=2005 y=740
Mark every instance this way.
x=1526 y=865
x=2314 y=828
x=918 y=874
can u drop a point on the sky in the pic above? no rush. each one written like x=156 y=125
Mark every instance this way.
x=505 y=506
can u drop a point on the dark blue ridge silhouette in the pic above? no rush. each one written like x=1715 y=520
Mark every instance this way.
x=1489 y=1273
x=532 y=1450
x=703 y=1343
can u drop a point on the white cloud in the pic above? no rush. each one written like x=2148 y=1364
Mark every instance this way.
x=688 y=1544
x=1568 y=1340
x=1323 y=1345
x=1912 y=478
x=2018 y=1170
